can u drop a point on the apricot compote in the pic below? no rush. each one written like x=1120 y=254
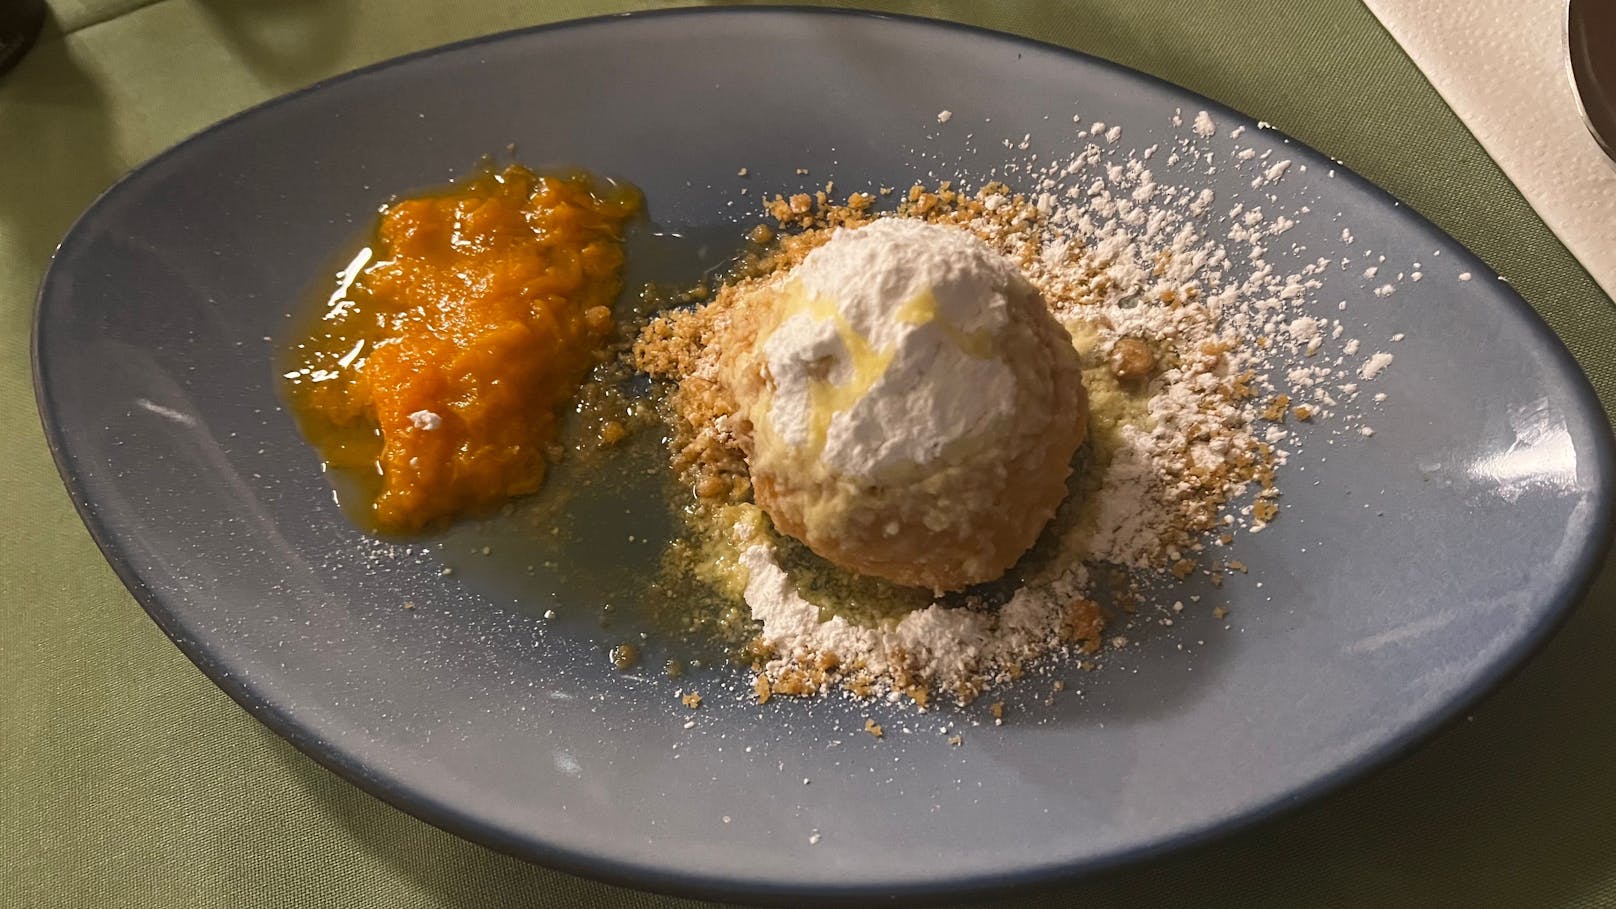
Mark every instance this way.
x=440 y=363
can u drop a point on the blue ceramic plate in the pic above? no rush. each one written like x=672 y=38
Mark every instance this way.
x=1409 y=572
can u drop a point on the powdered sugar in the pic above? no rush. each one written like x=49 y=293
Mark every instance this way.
x=1375 y=365
x=934 y=645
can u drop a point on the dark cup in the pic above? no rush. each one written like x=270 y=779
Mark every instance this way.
x=20 y=22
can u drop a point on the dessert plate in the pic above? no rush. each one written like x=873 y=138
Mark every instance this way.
x=1408 y=572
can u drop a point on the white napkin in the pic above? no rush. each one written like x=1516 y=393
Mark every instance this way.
x=1501 y=66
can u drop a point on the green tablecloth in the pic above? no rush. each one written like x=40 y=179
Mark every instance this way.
x=127 y=779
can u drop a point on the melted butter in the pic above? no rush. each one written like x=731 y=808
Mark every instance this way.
x=866 y=365
x=1112 y=406
x=921 y=309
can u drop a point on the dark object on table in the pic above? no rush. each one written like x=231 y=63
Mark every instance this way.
x=20 y=22
x=1591 y=42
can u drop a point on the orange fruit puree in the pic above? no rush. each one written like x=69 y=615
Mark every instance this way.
x=442 y=366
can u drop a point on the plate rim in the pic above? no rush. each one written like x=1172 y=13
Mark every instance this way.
x=1585 y=566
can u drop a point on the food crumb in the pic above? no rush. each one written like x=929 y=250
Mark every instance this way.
x=873 y=728
x=1132 y=359
x=691 y=700
x=943 y=116
x=1374 y=365
x=624 y=657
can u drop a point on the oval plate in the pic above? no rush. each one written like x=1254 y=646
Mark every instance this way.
x=1422 y=566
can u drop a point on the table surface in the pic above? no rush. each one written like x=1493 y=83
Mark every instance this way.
x=127 y=779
